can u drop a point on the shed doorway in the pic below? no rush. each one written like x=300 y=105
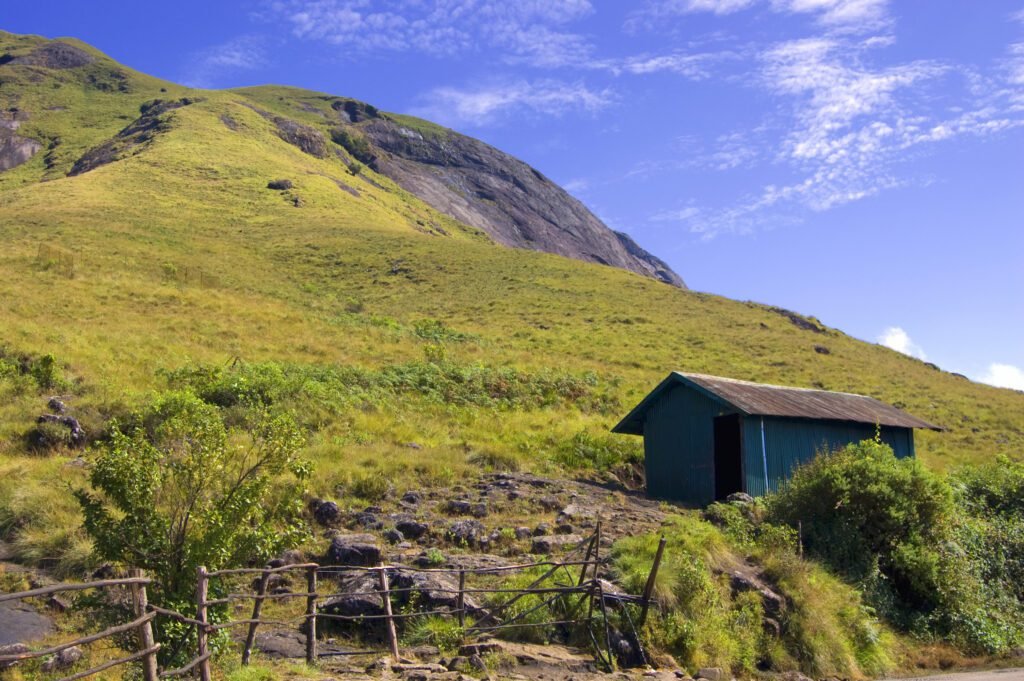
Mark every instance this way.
x=728 y=465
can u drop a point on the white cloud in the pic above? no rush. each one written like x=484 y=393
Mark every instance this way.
x=847 y=126
x=527 y=29
x=208 y=66
x=488 y=104
x=578 y=184
x=899 y=340
x=839 y=15
x=1004 y=376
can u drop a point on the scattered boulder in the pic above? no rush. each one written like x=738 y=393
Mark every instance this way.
x=12 y=649
x=740 y=498
x=542 y=529
x=549 y=503
x=356 y=550
x=554 y=543
x=412 y=497
x=478 y=510
x=523 y=533
x=40 y=438
x=56 y=405
x=564 y=528
x=369 y=520
x=21 y=623
x=822 y=350
x=711 y=674
x=412 y=529
x=459 y=507
x=63 y=659
x=280 y=185
x=394 y=536
x=466 y=532
x=57 y=604
x=326 y=513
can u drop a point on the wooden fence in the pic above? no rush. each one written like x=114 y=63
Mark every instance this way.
x=584 y=597
x=142 y=625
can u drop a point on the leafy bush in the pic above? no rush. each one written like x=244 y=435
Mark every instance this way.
x=179 y=490
x=861 y=508
x=931 y=557
x=598 y=453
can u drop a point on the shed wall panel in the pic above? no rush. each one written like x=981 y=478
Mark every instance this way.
x=679 y=446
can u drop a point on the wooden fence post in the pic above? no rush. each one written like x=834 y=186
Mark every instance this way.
x=462 y=599
x=311 y=616
x=257 y=607
x=649 y=587
x=202 y=587
x=385 y=595
x=140 y=603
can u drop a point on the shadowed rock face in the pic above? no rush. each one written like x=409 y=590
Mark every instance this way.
x=53 y=55
x=515 y=204
x=14 y=149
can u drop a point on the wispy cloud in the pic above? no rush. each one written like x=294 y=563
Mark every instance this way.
x=899 y=340
x=488 y=104
x=838 y=15
x=848 y=126
x=529 y=31
x=1004 y=376
x=208 y=67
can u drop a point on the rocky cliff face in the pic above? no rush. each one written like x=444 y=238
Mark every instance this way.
x=515 y=204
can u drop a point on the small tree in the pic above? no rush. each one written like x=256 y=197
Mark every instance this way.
x=180 y=489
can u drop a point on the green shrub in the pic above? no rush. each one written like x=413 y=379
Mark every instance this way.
x=929 y=560
x=861 y=505
x=180 y=491
x=434 y=630
x=355 y=144
x=372 y=487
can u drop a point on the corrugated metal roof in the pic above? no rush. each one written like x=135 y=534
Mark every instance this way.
x=761 y=399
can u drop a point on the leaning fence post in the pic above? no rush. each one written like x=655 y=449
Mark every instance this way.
x=202 y=586
x=385 y=595
x=462 y=599
x=140 y=603
x=257 y=607
x=311 y=615
x=649 y=587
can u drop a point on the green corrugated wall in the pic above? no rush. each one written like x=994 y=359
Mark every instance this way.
x=679 y=446
x=791 y=442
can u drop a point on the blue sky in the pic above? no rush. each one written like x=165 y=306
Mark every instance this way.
x=858 y=160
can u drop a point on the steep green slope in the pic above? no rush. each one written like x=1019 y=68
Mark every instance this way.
x=176 y=252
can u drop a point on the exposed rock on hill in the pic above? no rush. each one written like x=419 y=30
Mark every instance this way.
x=14 y=149
x=514 y=203
x=132 y=139
x=52 y=55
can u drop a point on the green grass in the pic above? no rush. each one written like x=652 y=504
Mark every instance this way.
x=181 y=257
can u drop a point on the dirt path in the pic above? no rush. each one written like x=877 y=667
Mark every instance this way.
x=1016 y=674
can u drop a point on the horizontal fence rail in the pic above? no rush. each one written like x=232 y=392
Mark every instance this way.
x=583 y=604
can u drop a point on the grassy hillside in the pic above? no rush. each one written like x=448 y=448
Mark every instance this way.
x=179 y=255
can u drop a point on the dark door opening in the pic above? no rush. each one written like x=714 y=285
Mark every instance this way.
x=728 y=465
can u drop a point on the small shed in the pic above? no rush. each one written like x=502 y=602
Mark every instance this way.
x=706 y=437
